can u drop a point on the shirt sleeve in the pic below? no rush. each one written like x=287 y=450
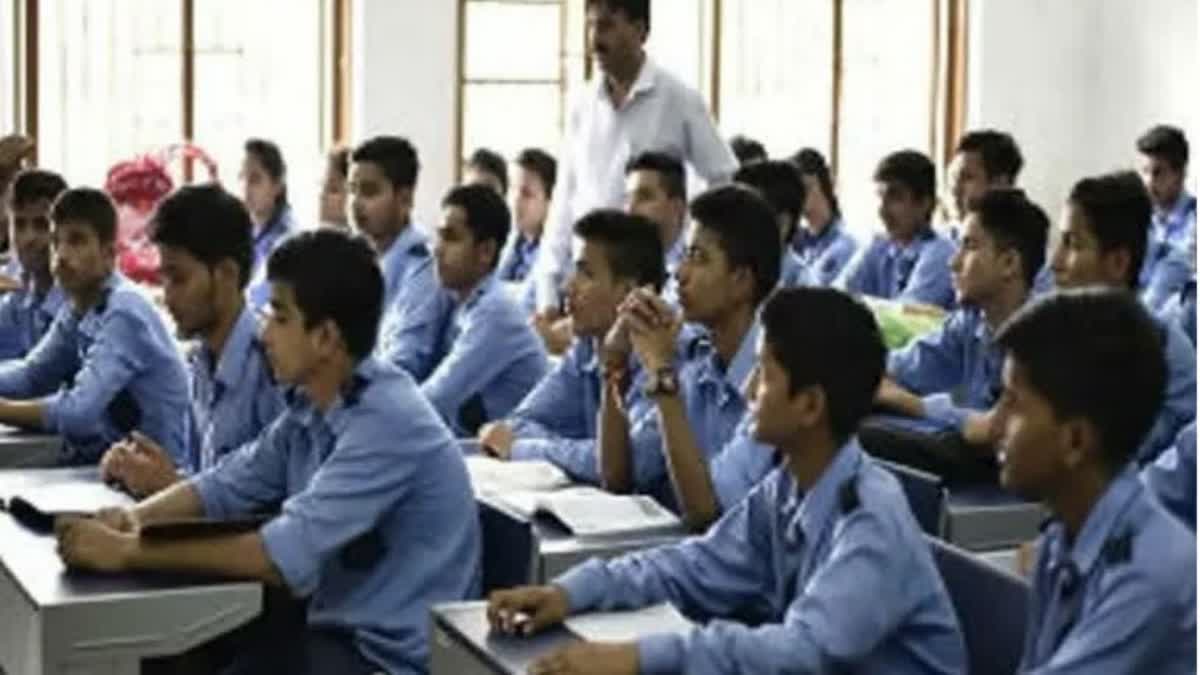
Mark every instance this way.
x=411 y=333
x=547 y=425
x=114 y=359
x=10 y=326
x=247 y=479
x=843 y=612
x=1167 y=278
x=929 y=282
x=44 y=368
x=1179 y=407
x=739 y=466
x=932 y=363
x=707 y=151
x=855 y=276
x=1172 y=477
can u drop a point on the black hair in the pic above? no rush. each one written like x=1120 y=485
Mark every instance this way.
x=747 y=150
x=780 y=184
x=746 y=231
x=1095 y=354
x=634 y=10
x=1117 y=208
x=631 y=245
x=209 y=224
x=487 y=214
x=1166 y=142
x=90 y=207
x=491 y=162
x=911 y=169
x=32 y=185
x=811 y=162
x=334 y=277
x=396 y=157
x=842 y=352
x=268 y=154
x=339 y=160
x=997 y=150
x=669 y=170
x=1013 y=221
x=541 y=163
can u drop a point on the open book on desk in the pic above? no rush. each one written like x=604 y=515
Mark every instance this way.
x=491 y=476
x=586 y=511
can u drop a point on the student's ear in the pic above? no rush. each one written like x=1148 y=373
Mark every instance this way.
x=404 y=199
x=327 y=338
x=808 y=406
x=488 y=252
x=227 y=271
x=743 y=283
x=1010 y=263
x=1117 y=264
x=1080 y=439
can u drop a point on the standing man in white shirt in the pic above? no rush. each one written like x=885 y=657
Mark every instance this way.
x=633 y=106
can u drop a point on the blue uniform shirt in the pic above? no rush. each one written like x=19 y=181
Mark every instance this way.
x=1172 y=477
x=557 y=420
x=517 y=258
x=716 y=411
x=1179 y=408
x=1170 y=251
x=377 y=523
x=955 y=369
x=234 y=396
x=488 y=359
x=258 y=292
x=1180 y=310
x=1121 y=598
x=414 y=305
x=917 y=272
x=25 y=317
x=822 y=257
x=837 y=579
x=113 y=370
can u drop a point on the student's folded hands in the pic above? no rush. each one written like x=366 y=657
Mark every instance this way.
x=139 y=464
x=94 y=543
x=653 y=327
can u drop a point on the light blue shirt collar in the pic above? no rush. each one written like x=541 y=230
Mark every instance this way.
x=814 y=508
x=1098 y=528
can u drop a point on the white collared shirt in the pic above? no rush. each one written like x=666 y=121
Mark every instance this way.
x=662 y=114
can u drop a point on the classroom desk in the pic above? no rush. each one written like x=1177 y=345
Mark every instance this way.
x=986 y=517
x=519 y=550
x=60 y=622
x=462 y=643
x=24 y=449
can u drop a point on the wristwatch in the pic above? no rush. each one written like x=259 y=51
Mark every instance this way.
x=662 y=382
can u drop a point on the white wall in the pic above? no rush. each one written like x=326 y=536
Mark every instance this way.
x=1077 y=81
x=404 y=82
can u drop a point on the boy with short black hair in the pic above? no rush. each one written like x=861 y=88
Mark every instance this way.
x=1171 y=240
x=1114 y=589
x=487 y=167
x=29 y=306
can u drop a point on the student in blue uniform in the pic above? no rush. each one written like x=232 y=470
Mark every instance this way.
x=557 y=420
x=780 y=185
x=1114 y=589
x=1172 y=477
x=1102 y=242
x=822 y=568
x=984 y=159
x=487 y=357
x=909 y=262
x=377 y=520
x=533 y=187
x=108 y=365
x=691 y=448
x=1163 y=164
x=263 y=179
x=656 y=188
x=822 y=243
x=27 y=312
x=383 y=179
x=952 y=375
x=487 y=167
x=203 y=234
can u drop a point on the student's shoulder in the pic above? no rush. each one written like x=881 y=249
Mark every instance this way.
x=127 y=300
x=1155 y=548
x=938 y=245
x=383 y=400
x=874 y=499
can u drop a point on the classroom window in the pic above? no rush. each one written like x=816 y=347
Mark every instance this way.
x=9 y=46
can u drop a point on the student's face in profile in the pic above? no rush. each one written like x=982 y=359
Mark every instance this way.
x=817 y=209
x=377 y=210
x=259 y=190
x=977 y=268
x=461 y=261
x=770 y=399
x=81 y=261
x=333 y=199
x=968 y=181
x=475 y=175
x=530 y=203
x=29 y=229
x=645 y=195
x=195 y=292
x=1078 y=260
x=593 y=294
x=1163 y=182
x=612 y=38
x=902 y=212
x=708 y=285
x=292 y=349
x=1029 y=448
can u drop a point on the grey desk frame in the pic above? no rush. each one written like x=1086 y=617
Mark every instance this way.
x=25 y=449
x=61 y=622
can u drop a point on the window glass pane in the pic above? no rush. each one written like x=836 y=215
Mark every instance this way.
x=109 y=74
x=257 y=75
x=678 y=41
x=887 y=80
x=8 y=91
x=512 y=41
x=510 y=117
x=777 y=73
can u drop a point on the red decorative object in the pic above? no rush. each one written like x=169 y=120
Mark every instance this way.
x=137 y=186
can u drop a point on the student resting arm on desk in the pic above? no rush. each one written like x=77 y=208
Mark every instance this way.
x=821 y=568
x=377 y=520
